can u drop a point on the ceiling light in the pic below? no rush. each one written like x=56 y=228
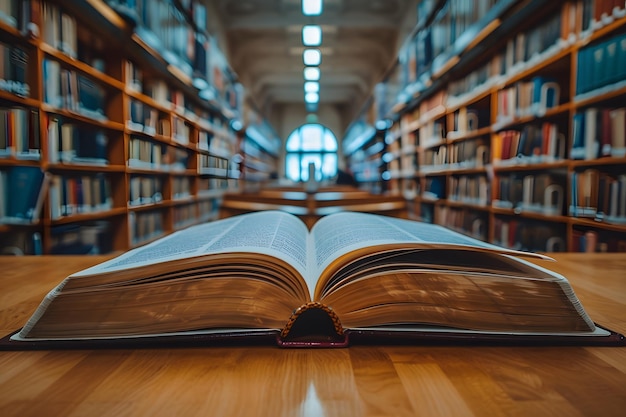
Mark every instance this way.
x=312 y=35
x=311 y=87
x=312 y=73
x=312 y=57
x=311 y=97
x=311 y=7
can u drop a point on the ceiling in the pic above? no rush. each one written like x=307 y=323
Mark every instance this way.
x=360 y=41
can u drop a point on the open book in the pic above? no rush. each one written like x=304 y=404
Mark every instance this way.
x=353 y=278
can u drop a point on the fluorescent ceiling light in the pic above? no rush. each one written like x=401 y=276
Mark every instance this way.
x=312 y=35
x=311 y=73
x=311 y=87
x=311 y=7
x=311 y=97
x=312 y=57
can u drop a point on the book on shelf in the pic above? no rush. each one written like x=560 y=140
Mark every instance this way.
x=76 y=143
x=25 y=187
x=599 y=132
x=73 y=194
x=81 y=238
x=19 y=133
x=354 y=277
x=585 y=190
x=21 y=242
x=601 y=66
x=59 y=29
x=13 y=70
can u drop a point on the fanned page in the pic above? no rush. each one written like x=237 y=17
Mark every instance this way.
x=244 y=272
x=271 y=233
x=382 y=271
x=338 y=234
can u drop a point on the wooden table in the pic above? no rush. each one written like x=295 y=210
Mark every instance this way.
x=357 y=381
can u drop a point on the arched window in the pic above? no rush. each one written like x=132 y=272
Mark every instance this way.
x=311 y=143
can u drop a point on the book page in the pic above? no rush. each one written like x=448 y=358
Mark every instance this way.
x=341 y=233
x=272 y=232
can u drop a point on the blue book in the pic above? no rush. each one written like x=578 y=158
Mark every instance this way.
x=598 y=70
x=612 y=69
x=578 y=137
x=582 y=76
x=25 y=192
x=621 y=58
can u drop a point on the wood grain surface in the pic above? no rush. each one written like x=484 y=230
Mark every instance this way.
x=357 y=381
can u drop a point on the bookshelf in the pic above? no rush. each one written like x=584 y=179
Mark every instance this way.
x=124 y=114
x=506 y=122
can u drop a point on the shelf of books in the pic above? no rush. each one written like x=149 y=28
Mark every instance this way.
x=509 y=122
x=116 y=123
x=259 y=150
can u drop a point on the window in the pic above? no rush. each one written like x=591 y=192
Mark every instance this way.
x=311 y=143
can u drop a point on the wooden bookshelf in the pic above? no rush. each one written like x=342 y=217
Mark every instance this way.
x=138 y=130
x=511 y=99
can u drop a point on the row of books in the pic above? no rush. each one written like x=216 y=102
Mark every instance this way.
x=450 y=23
x=70 y=142
x=180 y=130
x=21 y=241
x=212 y=165
x=179 y=35
x=596 y=132
x=181 y=187
x=70 y=194
x=435 y=158
x=145 y=226
x=537 y=193
x=59 y=29
x=601 y=65
x=599 y=13
x=75 y=194
x=525 y=48
x=73 y=91
x=145 y=190
x=15 y=13
x=529 y=235
x=588 y=240
x=19 y=133
x=468 y=154
x=146 y=119
x=468 y=222
x=527 y=98
x=475 y=82
x=14 y=70
x=466 y=120
x=598 y=195
x=211 y=186
x=147 y=154
x=153 y=87
x=433 y=133
x=185 y=215
x=599 y=132
x=86 y=238
x=473 y=190
x=529 y=46
x=532 y=143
